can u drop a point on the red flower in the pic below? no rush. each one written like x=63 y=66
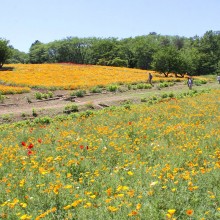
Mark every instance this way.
x=29 y=152
x=39 y=141
x=129 y=122
x=81 y=147
x=23 y=143
x=30 y=146
x=87 y=147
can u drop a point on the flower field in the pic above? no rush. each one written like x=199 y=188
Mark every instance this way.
x=13 y=89
x=66 y=76
x=145 y=162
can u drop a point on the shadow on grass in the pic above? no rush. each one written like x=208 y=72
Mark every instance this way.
x=8 y=68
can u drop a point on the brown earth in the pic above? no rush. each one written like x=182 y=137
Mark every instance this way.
x=21 y=106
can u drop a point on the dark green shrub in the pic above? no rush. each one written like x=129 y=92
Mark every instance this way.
x=164 y=95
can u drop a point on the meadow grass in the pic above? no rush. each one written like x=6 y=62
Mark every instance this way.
x=156 y=161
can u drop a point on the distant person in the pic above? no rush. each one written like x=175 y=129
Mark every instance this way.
x=150 y=77
x=218 y=79
x=190 y=82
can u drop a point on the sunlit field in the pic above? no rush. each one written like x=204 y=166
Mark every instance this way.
x=67 y=76
x=158 y=161
x=13 y=89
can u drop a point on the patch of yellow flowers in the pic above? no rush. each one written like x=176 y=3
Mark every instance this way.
x=67 y=76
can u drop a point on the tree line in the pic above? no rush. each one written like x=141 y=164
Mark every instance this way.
x=166 y=54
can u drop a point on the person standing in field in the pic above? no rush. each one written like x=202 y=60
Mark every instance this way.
x=218 y=79
x=190 y=82
x=150 y=77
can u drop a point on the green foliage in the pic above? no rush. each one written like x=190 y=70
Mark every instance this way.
x=96 y=89
x=34 y=112
x=42 y=120
x=23 y=115
x=78 y=93
x=118 y=62
x=17 y=56
x=169 y=60
x=6 y=117
x=112 y=88
x=38 y=53
x=39 y=95
x=5 y=51
x=70 y=108
x=2 y=98
x=209 y=47
x=164 y=95
x=86 y=114
x=89 y=105
x=165 y=84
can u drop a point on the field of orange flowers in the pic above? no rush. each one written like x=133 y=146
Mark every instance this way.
x=4 y=89
x=145 y=162
x=66 y=76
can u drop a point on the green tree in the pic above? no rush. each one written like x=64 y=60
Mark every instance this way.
x=209 y=49
x=5 y=51
x=38 y=53
x=144 y=47
x=190 y=57
x=103 y=51
x=169 y=60
x=17 y=56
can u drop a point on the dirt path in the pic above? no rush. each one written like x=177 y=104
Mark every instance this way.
x=18 y=107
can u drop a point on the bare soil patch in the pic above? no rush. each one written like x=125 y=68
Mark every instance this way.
x=21 y=106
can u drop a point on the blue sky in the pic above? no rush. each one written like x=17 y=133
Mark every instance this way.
x=24 y=21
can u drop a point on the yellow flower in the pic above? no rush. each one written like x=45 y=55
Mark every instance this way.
x=23 y=205
x=120 y=195
x=76 y=203
x=171 y=211
x=68 y=175
x=67 y=207
x=130 y=173
x=87 y=205
x=25 y=217
x=93 y=196
x=68 y=187
x=138 y=206
x=112 y=209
